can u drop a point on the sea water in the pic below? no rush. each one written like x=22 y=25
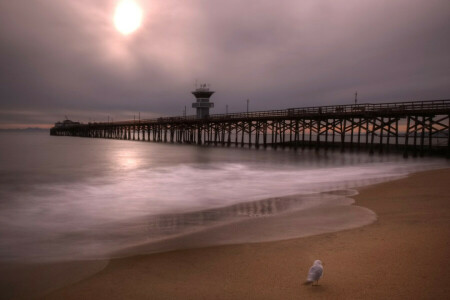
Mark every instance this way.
x=68 y=198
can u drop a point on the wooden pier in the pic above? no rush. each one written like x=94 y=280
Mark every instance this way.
x=415 y=127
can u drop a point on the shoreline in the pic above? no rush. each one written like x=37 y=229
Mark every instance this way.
x=403 y=254
x=70 y=279
x=335 y=211
x=295 y=218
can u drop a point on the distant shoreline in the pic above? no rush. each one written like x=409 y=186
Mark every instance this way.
x=29 y=129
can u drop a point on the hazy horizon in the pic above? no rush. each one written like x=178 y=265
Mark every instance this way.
x=63 y=58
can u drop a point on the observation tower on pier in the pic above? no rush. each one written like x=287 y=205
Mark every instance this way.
x=202 y=104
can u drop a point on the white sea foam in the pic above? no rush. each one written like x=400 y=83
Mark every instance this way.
x=61 y=216
x=82 y=198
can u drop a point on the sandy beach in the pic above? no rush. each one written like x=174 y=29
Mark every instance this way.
x=403 y=255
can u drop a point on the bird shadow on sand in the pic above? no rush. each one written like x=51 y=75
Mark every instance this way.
x=315 y=289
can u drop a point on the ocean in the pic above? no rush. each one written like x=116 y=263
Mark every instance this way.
x=67 y=198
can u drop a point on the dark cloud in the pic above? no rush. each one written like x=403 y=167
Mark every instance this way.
x=65 y=57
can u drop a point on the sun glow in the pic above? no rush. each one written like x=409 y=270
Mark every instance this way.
x=127 y=17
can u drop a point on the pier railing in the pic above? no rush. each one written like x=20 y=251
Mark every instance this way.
x=354 y=109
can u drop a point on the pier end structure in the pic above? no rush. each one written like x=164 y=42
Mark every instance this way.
x=202 y=94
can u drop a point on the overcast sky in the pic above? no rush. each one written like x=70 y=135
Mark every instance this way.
x=67 y=58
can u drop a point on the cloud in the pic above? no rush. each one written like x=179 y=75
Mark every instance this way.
x=66 y=56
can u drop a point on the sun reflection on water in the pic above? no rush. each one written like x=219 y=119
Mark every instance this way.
x=126 y=160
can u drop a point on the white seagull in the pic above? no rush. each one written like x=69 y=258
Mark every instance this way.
x=315 y=273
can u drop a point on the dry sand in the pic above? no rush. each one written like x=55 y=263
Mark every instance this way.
x=405 y=254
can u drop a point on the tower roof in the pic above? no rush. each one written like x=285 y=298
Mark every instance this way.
x=202 y=92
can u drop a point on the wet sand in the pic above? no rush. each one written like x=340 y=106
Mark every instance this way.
x=403 y=255
x=34 y=280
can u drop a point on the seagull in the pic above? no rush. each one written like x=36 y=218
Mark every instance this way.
x=315 y=273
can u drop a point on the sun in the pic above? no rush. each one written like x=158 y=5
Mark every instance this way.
x=127 y=17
